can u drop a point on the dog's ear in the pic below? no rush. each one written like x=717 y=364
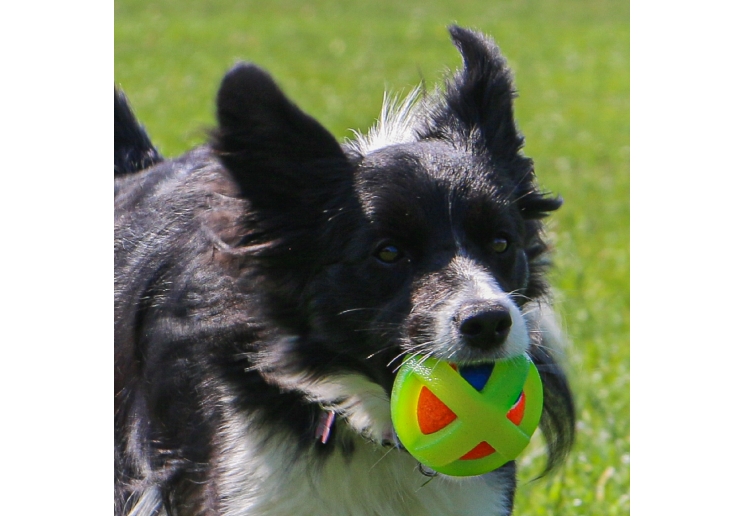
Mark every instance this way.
x=477 y=108
x=478 y=100
x=281 y=158
x=133 y=150
x=296 y=179
x=286 y=164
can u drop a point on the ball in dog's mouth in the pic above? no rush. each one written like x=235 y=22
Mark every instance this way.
x=465 y=420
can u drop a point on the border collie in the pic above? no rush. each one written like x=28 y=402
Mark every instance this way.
x=269 y=284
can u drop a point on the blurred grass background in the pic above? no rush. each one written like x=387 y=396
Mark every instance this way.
x=335 y=59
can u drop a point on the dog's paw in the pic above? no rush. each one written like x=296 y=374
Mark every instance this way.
x=350 y=399
x=368 y=414
x=357 y=402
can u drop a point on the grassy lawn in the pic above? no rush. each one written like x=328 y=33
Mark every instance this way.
x=335 y=59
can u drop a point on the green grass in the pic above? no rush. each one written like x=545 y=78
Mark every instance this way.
x=335 y=59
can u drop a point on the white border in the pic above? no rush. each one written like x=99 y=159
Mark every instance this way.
x=57 y=345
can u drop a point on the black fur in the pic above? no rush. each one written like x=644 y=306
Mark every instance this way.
x=133 y=150
x=274 y=253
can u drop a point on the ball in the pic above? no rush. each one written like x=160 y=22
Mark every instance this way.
x=466 y=420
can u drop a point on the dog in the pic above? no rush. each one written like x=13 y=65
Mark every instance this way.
x=269 y=284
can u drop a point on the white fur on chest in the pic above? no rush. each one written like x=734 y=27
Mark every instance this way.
x=270 y=479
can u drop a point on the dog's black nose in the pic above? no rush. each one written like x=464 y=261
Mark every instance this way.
x=484 y=326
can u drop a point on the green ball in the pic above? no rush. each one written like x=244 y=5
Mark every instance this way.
x=465 y=421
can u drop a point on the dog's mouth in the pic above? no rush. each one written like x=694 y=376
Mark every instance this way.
x=469 y=362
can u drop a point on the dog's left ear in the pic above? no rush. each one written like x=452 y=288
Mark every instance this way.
x=286 y=164
x=478 y=100
x=478 y=104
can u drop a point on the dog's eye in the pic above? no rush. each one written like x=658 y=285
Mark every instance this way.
x=388 y=253
x=499 y=245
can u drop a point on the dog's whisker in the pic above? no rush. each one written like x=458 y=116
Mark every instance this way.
x=410 y=357
x=367 y=309
x=387 y=452
x=396 y=358
x=382 y=350
x=412 y=351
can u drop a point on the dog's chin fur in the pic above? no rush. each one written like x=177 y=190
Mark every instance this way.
x=269 y=285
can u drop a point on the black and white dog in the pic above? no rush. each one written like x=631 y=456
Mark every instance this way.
x=269 y=284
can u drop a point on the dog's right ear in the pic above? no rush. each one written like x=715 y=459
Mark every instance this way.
x=284 y=161
x=296 y=179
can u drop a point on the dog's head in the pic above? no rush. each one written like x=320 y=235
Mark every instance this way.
x=421 y=238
